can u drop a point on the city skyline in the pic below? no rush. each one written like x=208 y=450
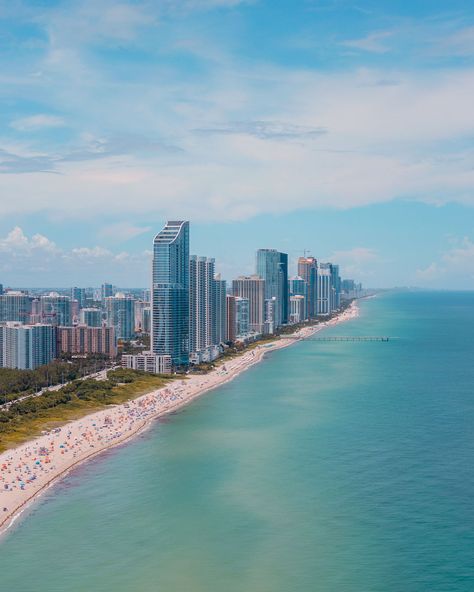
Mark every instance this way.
x=319 y=125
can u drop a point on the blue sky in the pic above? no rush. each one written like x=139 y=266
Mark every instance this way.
x=343 y=128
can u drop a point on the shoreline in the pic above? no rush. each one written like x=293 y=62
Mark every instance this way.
x=30 y=469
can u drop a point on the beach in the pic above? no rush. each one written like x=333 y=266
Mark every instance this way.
x=29 y=469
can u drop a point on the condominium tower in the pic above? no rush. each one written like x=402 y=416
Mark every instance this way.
x=170 y=293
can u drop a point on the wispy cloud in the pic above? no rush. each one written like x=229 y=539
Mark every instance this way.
x=37 y=122
x=374 y=42
x=266 y=130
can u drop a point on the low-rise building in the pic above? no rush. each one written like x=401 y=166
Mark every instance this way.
x=87 y=340
x=147 y=362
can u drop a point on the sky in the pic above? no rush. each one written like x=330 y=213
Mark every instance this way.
x=338 y=128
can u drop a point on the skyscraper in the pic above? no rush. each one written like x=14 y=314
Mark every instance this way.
x=308 y=270
x=26 y=346
x=202 y=332
x=56 y=309
x=170 y=293
x=252 y=288
x=284 y=295
x=121 y=315
x=92 y=317
x=324 y=289
x=79 y=294
x=298 y=287
x=231 y=322
x=272 y=266
x=220 y=310
x=107 y=290
x=15 y=306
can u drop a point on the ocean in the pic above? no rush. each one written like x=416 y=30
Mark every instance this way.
x=329 y=467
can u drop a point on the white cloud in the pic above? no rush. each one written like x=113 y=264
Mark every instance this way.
x=37 y=122
x=122 y=231
x=372 y=42
x=37 y=261
x=457 y=264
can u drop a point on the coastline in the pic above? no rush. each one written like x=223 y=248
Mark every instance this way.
x=28 y=470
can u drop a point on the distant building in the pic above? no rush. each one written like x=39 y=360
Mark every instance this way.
x=1 y=289
x=15 y=306
x=324 y=289
x=308 y=270
x=271 y=308
x=170 y=293
x=283 y=289
x=140 y=306
x=56 y=309
x=231 y=320
x=335 y=301
x=148 y=362
x=26 y=346
x=242 y=316
x=146 y=320
x=92 y=317
x=107 y=290
x=202 y=301
x=298 y=287
x=253 y=289
x=220 y=310
x=297 y=309
x=87 y=340
x=120 y=311
x=79 y=294
x=272 y=266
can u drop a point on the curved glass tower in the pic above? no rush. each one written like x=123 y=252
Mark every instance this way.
x=170 y=293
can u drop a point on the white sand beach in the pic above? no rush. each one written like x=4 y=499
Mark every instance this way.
x=29 y=469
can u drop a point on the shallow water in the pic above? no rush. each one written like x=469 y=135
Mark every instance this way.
x=328 y=467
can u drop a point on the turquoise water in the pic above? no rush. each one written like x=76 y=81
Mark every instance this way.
x=328 y=467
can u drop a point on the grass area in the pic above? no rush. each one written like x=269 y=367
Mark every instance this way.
x=24 y=425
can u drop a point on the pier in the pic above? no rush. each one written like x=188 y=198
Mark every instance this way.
x=342 y=338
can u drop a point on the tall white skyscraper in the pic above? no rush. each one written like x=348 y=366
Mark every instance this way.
x=252 y=288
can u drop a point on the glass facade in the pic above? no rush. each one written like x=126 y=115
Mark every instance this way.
x=170 y=293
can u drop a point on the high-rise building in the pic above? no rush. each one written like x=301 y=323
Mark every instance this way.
x=146 y=320
x=252 y=288
x=298 y=287
x=92 y=317
x=335 y=287
x=308 y=270
x=26 y=346
x=107 y=290
x=201 y=304
x=268 y=268
x=242 y=316
x=324 y=289
x=231 y=320
x=140 y=307
x=1 y=289
x=170 y=293
x=284 y=296
x=271 y=312
x=220 y=309
x=297 y=309
x=15 y=306
x=272 y=266
x=79 y=294
x=87 y=340
x=56 y=309
x=120 y=311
